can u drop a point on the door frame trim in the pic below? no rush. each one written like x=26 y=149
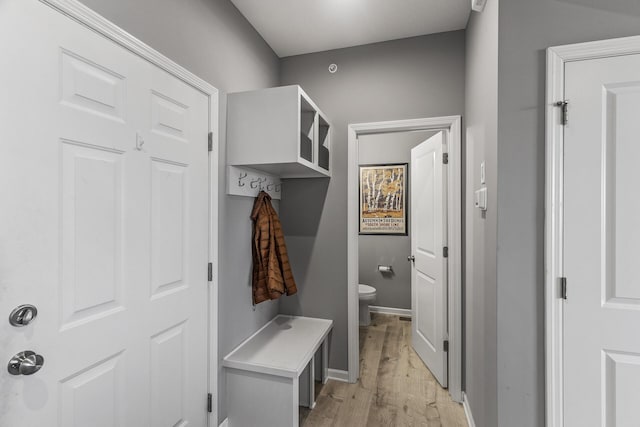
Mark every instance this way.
x=92 y=20
x=557 y=58
x=452 y=125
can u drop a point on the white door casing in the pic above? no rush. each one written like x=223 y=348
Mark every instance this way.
x=593 y=352
x=452 y=127
x=429 y=267
x=105 y=227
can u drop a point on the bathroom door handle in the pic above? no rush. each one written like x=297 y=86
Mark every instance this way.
x=411 y=258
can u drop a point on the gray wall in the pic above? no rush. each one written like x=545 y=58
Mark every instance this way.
x=402 y=79
x=213 y=40
x=481 y=125
x=526 y=29
x=392 y=290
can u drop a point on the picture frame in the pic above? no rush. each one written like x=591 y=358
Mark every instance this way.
x=383 y=190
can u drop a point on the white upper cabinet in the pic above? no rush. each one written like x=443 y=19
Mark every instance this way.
x=279 y=131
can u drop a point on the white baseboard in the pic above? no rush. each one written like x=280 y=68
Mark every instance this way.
x=338 y=375
x=390 y=310
x=225 y=423
x=467 y=410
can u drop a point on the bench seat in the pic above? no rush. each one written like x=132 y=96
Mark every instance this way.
x=265 y=381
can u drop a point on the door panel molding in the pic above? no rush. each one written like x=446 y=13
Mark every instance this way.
x=98 y=23
x=557 y=58
x=452 y=126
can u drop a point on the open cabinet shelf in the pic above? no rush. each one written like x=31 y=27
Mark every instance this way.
x=323 y=143
x=280 y=131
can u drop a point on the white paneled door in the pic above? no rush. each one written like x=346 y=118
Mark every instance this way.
x=428 y=239
x=103 y=228
x=602 y=243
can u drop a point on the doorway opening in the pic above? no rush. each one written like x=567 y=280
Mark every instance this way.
x=449 y=128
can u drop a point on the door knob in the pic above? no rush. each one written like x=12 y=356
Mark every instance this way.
x=22 y=315
x=411 y=258
x=25 y=363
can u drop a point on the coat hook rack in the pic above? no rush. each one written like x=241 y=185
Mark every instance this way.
x=238 y=177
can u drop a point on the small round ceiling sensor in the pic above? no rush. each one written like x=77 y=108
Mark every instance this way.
x=333 y=68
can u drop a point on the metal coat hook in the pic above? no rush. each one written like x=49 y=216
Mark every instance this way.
x=139 y=141
x=257 y=183
x=242 y=176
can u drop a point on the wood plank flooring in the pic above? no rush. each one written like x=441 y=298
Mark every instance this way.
x=395 y=388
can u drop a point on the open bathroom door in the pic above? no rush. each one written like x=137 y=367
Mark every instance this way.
x=428 y=242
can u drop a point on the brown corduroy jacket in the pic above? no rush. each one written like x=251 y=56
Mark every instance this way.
x=272 y=274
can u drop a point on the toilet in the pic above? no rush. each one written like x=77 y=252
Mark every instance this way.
x=366 y=296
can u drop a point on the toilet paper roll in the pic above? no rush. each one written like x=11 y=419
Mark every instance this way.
x=385 y=269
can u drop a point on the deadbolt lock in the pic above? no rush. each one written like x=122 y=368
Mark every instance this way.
x=22 y=315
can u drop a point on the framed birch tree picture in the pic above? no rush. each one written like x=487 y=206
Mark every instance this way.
x=383 y=197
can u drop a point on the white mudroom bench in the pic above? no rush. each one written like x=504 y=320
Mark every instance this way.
x=273 y=372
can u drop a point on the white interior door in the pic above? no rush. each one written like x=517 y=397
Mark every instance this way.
x=428 y=239
x=103 y=227
x=602 y=243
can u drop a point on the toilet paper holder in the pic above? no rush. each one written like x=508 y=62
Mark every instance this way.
x=385 y=269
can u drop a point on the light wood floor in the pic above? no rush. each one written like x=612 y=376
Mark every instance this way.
x=395 y=388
